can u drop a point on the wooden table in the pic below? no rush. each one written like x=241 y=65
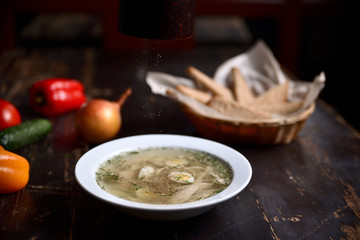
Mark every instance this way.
x=308 y=189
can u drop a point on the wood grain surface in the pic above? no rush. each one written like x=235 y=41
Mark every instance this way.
x=308 y=189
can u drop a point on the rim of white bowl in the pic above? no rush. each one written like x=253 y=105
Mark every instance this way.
x=89 y=163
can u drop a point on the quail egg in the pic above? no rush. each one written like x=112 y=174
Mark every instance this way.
x=181 y=177
x=177 y=162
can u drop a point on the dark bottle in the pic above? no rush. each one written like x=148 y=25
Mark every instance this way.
x=157 y=19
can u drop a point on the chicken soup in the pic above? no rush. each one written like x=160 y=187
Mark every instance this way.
x=164 y=175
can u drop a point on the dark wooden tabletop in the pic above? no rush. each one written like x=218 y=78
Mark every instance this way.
x=308 y=189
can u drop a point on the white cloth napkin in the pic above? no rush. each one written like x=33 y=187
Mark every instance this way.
x=260 y=70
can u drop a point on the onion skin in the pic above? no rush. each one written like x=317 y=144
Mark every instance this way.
x=100 y=120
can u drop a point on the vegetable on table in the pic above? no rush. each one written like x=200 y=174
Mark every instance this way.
x=23 y=134
x=55 y=96
x=100 y=120
x=14 y=171
x=9 y=115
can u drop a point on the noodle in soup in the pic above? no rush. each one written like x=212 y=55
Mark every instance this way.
x=164 y=175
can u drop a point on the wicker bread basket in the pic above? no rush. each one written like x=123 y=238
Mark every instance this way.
x=252 y=132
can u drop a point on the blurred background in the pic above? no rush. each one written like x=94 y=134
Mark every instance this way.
x=306 y=36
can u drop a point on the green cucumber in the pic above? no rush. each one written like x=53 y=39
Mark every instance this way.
x=25 y=133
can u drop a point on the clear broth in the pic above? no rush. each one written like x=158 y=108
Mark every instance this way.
x=164 y=175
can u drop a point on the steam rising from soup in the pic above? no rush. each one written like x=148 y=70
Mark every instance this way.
x=164 y=175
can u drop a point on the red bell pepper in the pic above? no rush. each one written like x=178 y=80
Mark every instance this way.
x=55 y=96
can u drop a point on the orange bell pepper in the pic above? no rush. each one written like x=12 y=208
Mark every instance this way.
x=14 y=171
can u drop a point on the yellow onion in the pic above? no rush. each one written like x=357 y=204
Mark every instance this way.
x=99 y=120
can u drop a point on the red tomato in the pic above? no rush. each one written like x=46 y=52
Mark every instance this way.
x=9 y=115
